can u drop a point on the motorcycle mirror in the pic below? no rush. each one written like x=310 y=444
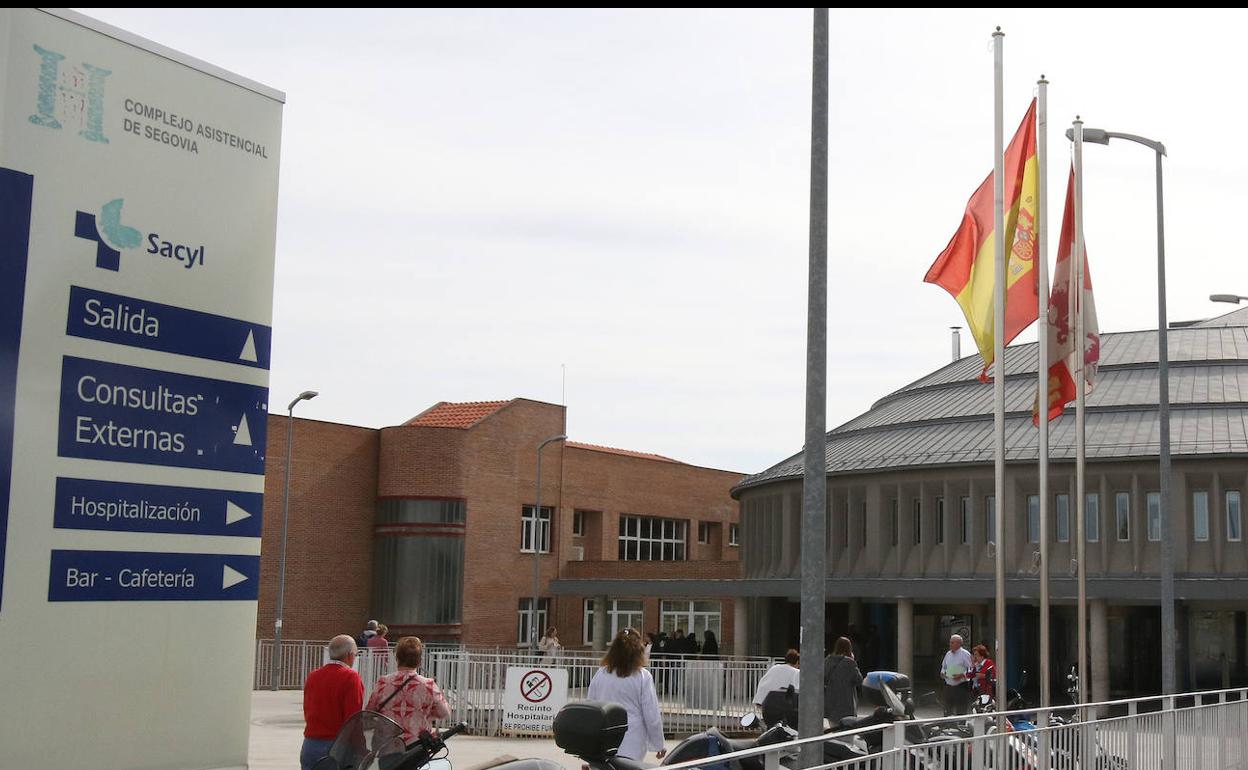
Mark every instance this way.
x=749 y=720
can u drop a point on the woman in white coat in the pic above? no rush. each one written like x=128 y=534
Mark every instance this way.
x=623 y=679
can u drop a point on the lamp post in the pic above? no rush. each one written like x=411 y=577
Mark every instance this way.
x=1234 y=299
x=275 y=669
x=1168 y=642
x=536 y=539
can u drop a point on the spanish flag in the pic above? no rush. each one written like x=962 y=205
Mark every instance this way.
x=966 y=267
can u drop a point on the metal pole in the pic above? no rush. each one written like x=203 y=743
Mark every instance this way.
x=1042 y=385
x=1168 y=653
x=1079 y=296
x=998 y=380
x=815 y=478
x=275 y=665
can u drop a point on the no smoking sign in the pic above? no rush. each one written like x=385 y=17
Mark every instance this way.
x=536 y=686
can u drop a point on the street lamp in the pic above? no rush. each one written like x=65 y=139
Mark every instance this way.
x=535 y=535
x=1234 y=299
x=1101 y=136
x=281 y=575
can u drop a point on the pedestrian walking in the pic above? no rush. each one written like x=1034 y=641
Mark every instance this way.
x=955 y=669
x=841 y=679
x=623 y=679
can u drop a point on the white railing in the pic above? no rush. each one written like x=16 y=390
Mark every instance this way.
x=1194 y=731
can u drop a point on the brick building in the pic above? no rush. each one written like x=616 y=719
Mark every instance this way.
x=430 y=527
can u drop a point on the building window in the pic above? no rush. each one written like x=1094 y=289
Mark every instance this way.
x=704 y=532
x=529 y=523
x=621 y=613
x=578 y=523
x=1154 y=516
x=862 y=524
x=1122 y=512
x=1234 y=521
x=1092 y=517
x=1200 y=515
x=845 y=527
x=917 y=521
x=524 y=615
x=1062 y=506
x=1033 y=518
x=643 y=538
x=893 y=533
x=940 y=520
x=733 y=536
x=965 y=528
x=692 y=617
x=990 y=519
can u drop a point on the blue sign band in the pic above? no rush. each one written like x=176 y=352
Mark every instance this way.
x=135 y=576
x=16 y=190
x=123 y=507
x=134 y=415
x=140 y=323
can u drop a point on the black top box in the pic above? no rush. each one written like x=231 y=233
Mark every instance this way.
x=591 y=729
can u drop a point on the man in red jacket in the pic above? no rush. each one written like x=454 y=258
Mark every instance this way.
x=331 y=694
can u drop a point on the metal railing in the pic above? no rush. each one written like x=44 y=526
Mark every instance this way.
x=298 y=659
x=1194 y=731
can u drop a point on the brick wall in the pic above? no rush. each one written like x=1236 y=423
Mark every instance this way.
x=340 y=471
x=329 y=551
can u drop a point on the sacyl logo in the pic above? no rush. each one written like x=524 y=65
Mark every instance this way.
x=111 y=236
x=72 y=94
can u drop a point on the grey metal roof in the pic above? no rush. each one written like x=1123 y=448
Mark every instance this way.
x=945 y=417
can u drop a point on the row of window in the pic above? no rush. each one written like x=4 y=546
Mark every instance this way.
x=692 y=616
x=1062 y=518
x=641 y=538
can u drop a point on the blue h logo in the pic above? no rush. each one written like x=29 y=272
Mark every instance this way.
x=109 y=226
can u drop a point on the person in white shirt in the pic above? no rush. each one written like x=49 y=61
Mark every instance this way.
x=955 y=670
x=779 y=677
x=623 y=679
x=549 y=644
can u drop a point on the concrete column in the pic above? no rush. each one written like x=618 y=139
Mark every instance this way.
x=1098 y=642
x=905 y=636
x=740 y=628
x=601 y=623
x=855 y=615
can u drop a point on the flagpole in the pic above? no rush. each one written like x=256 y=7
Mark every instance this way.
x=1042 y=377
x=1079 y=298
x=998 y=334
x=815 y=475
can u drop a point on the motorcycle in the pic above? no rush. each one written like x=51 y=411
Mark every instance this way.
x=592 y=731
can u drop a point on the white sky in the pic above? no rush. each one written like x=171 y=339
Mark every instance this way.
x=471 y=199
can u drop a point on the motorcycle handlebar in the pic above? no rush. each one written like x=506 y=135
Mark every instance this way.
x=451 y=732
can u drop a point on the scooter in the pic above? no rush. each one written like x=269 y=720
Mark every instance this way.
x=369 y=739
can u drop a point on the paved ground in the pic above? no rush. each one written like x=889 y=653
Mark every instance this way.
x=277 y=732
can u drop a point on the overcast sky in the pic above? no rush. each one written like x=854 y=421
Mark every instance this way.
x=471 y=200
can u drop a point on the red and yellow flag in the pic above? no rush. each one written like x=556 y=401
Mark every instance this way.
x=966 y=268
x=1063 y=346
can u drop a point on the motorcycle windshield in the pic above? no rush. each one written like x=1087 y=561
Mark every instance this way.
x=365 y=737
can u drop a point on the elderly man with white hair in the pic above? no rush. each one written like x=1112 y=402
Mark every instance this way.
x=955 y=671
x=331 y=694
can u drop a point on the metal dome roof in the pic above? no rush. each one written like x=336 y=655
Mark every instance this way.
x=945 y=418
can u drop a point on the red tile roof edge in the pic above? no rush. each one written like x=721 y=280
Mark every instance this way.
x=624 y=452
x=452 y=414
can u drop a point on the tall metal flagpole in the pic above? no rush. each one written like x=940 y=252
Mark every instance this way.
x=998 y=333
x=1080 y=299
x=815 y=479
x=1042 y=385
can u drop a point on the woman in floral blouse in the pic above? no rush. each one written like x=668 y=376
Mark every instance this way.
x=411 y=700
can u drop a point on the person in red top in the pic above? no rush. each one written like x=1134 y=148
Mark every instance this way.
x=407 y=697
x=331 y=694
x=983 y=672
